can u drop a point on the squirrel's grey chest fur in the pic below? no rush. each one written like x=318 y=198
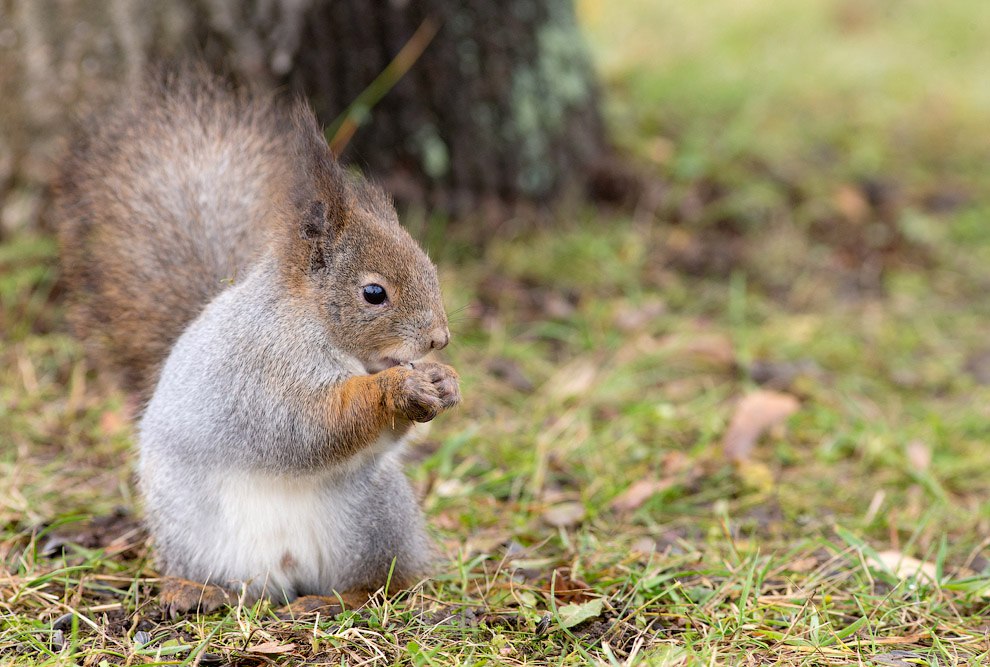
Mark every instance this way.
x=238 y=487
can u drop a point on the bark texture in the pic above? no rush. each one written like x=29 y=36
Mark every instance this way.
x=500 y=106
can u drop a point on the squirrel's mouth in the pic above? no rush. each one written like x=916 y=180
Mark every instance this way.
x=384 y=363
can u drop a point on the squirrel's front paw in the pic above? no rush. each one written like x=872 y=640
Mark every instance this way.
x=445 y=380
x=426 y=390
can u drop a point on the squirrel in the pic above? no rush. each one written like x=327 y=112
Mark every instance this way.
x=269 y=310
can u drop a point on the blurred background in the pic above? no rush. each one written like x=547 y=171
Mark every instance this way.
x=717 y=271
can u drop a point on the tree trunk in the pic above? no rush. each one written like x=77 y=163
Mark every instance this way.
x=498 y=105
x=501 y=106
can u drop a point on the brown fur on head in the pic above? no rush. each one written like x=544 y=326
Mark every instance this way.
x=347 y=237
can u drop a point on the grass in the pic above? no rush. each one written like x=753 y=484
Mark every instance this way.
x=818 y=228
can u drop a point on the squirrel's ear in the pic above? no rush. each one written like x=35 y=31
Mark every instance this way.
x=317 y=229
x=320 y=222
x=314 y=223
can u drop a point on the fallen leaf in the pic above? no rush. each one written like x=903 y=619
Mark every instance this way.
x=564 y=515
x=271 y=648
x=755 y=414
x=638 y=493
x=904 y=567
x=573 y=614
x=566 y=588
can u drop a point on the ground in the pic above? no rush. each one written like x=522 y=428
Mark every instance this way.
x=743 y=422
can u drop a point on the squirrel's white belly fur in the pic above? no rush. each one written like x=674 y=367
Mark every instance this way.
x=265 y=535
x=282 y=534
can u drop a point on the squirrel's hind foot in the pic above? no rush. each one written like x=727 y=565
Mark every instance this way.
x=181 y=596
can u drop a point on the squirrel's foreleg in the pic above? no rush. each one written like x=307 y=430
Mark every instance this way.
x=360 y=408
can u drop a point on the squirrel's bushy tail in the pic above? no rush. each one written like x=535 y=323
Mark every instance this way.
x=162 y=202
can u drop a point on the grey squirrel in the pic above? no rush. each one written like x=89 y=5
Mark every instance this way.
x=271 y=311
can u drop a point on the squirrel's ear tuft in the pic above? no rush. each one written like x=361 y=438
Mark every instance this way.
x=319 y=175
x=321 y=221
x=320 y=194
x=317 y=229
x=315 y=224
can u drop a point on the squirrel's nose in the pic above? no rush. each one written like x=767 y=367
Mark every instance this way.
x=439 y=338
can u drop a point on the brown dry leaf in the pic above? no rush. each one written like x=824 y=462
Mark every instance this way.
x=904 y=567
x=919 y=455
x=564 y=515
x=638 y=493
x=272 y=648
x=755 y=414
x=566 y=588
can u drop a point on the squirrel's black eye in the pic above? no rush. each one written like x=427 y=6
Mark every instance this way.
x=374 y=294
